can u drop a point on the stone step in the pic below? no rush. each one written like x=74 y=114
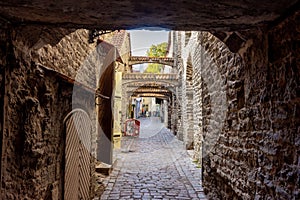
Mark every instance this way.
x=104 y=168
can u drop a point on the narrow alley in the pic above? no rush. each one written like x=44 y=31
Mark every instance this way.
x=149 y=100
x=154 y=165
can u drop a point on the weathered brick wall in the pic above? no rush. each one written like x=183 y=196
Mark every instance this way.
x=254 y=154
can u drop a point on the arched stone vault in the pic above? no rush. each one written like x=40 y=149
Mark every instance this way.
x=138 y=83
x=133 y=60
x=145 y=89
x=148 y=77
x=161 y=89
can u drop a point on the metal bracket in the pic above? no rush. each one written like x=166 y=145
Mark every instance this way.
x=99 y=95
x=95 y=33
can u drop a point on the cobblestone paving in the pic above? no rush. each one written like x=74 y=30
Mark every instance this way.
x=153 y=166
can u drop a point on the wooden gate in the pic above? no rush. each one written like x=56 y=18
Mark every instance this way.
x=77 y=177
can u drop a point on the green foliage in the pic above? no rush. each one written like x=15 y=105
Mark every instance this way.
x=159 y=50
x=153 y=68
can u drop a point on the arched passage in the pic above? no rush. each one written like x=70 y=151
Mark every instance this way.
x=257 y=118
x=146 y=89
x=133 y=60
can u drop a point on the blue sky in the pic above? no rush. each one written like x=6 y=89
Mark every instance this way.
x=141 y=40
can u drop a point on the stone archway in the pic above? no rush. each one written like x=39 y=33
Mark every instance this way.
x=132 y=88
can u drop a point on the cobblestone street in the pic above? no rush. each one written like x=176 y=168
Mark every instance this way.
x=153 y=166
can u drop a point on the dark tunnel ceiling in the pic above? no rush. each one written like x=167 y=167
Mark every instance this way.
x=214 y=15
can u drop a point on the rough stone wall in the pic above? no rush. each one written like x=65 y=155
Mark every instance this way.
x=182 y=131
x=165 y=115
x=189 y=141
x=252 y=151
x=182 y=67
x=174 y=114
x=261 y=131
x=170 y=112
x=72 y=55
x=197 y=114
x=68 y=52
x=220 y=85
x=34 y=133
x=178 y=111
x=39 y=92
x=4 y=44
x=127 y=91
x=179 y=68
x=206 y=79
x=1 y=109
x=179 y=103
x=185 y=89
x=272 y=105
